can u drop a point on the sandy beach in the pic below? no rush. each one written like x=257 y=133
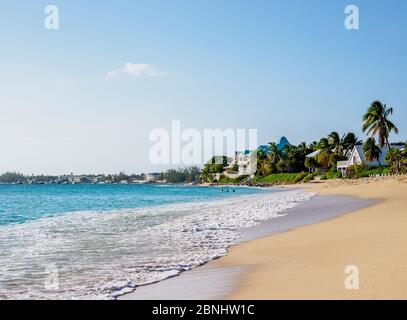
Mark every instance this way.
x=221 y=278
x=309 y=262
x=303 y=255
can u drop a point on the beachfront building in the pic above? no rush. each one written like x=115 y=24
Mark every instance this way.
x=153 y=177
x=244 y=162
x=357 y=156
x=73 y=179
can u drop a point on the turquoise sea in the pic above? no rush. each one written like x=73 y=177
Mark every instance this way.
x=100 y=241
x=21 y=203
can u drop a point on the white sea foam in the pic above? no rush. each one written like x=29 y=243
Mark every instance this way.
x=100 y=255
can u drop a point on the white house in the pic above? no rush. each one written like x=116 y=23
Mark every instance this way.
x=357 y=156
x=246 y=162
x=74 y=179
x=153 y=176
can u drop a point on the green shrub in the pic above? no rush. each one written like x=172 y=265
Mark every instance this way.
x=300 y=177
x=309 y=177
x=226 y=180
x=223 y=179
x=331 y=174
x=362 y=171
x=367 y=171
x=281 y=178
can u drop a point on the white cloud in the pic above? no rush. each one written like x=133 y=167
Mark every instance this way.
x=61 y=80
x=136 y=70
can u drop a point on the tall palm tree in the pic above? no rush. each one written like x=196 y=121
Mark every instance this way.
x=324 y=157
x=371 y=150
x=376 y=122
x=349 y=141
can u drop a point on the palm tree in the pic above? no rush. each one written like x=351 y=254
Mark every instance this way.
x=395 y=158
x=376 y=122
x=263 y=165
x=371 y=150
x=313 y=146
x=310 y=164
x=349 y=141
x=335 y=142
x=302 y=147
x=324 y=157
x=281 y=165
x=292 y=158
x=274 y=153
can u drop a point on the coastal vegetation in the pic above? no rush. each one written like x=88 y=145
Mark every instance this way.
x=215 y=165
x=363 y=171
x=397 y=159
x=182 y=175
x=15 y=177
x=276 y=164
x=11 y=177
x=282 y=178
x=319 y=159
x=376 y=122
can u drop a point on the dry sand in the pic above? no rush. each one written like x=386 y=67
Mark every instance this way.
x=309 y=262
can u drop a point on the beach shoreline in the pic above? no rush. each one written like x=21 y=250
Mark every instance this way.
x=310 y=262
x=221 y=280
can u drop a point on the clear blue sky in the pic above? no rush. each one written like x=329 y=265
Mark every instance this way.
x=284 y=67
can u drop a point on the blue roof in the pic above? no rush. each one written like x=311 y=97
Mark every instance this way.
x=266 y=148
x=282 y=143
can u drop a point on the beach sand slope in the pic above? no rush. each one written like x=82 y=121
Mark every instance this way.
x=309 y=262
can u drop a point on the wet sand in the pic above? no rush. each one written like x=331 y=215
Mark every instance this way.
x=219 y=279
